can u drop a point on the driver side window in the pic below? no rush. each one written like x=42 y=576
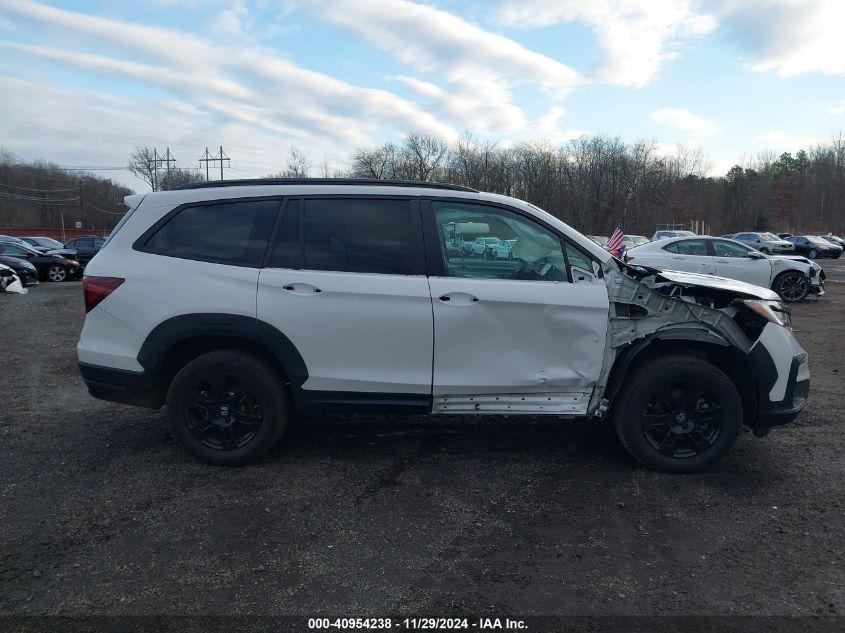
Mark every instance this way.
x=729 y=249
x=535 y=253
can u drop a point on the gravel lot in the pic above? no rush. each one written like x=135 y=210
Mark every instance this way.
x=101 y=512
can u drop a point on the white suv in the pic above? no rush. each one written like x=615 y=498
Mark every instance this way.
x=239 y=303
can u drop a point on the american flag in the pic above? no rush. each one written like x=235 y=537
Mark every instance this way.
x=614 y=244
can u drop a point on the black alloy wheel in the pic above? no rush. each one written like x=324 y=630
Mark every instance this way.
x=228 y=406
x=682 y=419
x=222 y=413
x=677 y=413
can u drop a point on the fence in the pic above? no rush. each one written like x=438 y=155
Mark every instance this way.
x=63 y=235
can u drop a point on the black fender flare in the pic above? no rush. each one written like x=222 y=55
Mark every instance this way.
x=628 y=355
x=172 y=331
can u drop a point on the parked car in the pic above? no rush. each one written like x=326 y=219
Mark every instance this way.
x=659 y=235
x=44 y=244
x=630 y=241
x=792 y=278
x=49 y=266
x=351 y=308
x=729 y=236
x=601 y=240
x=767 y=243
x=782 y=236
x=26 y=272
x=11 y=238
x=483 y=246
x=504 y=249
x=815 y=247
x=836 y=241
x=86 y=246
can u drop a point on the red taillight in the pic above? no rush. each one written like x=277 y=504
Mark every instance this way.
x=96 y=289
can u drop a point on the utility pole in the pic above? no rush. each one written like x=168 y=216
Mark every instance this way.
x=167 y=159
x=209 y=158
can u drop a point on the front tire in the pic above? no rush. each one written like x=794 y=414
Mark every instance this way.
x=227 y=407
x=56 y=272
x=792 y=286
x=678 y=414
x=813 y=253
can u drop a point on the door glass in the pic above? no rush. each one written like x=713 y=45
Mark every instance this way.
x=691 y=247
x=728 y=249
x=230 y=233
x=358 y=235
x=537 y=254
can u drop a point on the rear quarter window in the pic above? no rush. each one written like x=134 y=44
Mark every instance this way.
x=227 y=233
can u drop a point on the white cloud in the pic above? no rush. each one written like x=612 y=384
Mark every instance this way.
x=287 y=99
x=838 y=109
x=549 y=127
x=782 y=141
x=635 y=37
x=684 y=120
x=787 y=36
x=476 y=70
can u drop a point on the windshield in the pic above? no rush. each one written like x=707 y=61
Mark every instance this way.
x=769 y=236
x=817 y=241
x=491 y=240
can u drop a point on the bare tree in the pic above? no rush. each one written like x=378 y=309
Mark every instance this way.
x=142 y=164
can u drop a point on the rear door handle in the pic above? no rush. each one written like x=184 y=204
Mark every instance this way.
x=301 y=289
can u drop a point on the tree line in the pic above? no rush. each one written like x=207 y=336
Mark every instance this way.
x=592 y=181
x=42 y=195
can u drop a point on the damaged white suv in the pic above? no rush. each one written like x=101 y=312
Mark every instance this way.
x=238 y=303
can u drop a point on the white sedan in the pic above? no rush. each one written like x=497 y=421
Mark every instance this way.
x=792 y=277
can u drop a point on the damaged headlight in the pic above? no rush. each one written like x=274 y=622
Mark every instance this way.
x=772 y=311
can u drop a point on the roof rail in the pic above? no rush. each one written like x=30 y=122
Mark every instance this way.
x=325 y=181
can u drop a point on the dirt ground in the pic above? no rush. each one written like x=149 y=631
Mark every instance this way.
x=101 y=512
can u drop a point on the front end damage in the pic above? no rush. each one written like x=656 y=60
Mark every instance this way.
x=743 y=329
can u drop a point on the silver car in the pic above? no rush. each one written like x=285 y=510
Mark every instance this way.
x=767 y=243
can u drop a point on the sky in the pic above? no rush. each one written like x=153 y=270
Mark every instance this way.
x=82 y=83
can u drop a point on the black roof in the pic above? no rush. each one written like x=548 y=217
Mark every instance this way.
x=325 y=181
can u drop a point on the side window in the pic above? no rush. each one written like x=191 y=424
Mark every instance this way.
x=229 y=233
x=729 y=249
x=84 y=242
x=358 y=235
x=98 y=242
x=537 y=253
x=581 y=267
x=17 y=251
x=671 y=248
x=692 y=247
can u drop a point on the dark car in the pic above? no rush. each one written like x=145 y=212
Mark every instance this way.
x=44 y=244
x=26 y=272
x=49 y=266
x=814 y=247
x=86 y=246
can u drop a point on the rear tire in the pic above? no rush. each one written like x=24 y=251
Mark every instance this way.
x=227 y=407
x=678 y=414
x=812 y=254
x=792 y=286
x=765 y=251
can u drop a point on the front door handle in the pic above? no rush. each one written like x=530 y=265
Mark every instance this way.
x=458 y=298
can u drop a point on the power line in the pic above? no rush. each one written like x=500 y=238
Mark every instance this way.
x=15 y=196
x=3 y=184
x=91 y=206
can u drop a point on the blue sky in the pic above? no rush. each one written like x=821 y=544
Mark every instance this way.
x=85 y=82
